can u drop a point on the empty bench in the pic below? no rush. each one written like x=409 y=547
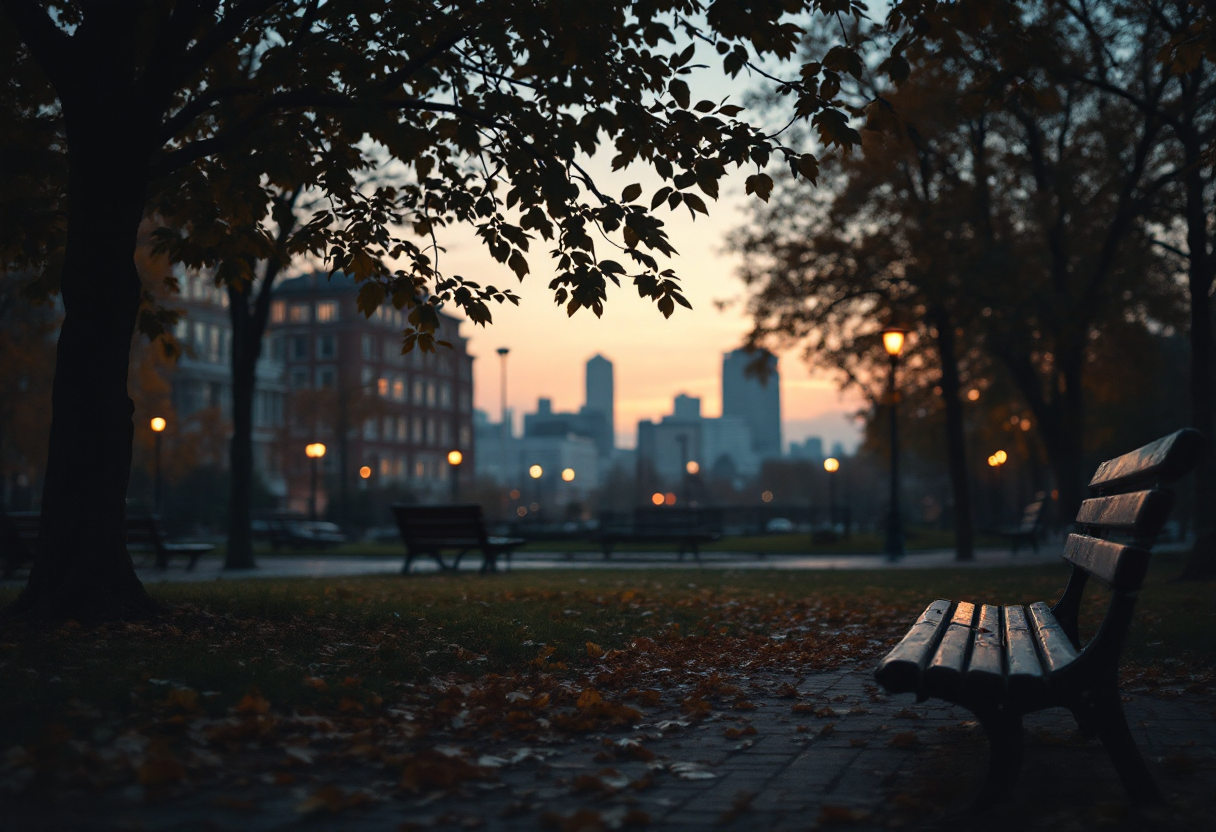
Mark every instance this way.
x=19 y=541
x=1002 y=662
x=459 y=528
x=686 y=528
x=1031 y=527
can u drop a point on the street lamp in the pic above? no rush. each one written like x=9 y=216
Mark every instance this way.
x=158 y=427
x=831 y=465
x=454 y=460
x=536 y=472
x=997 y=460
x=568 y=475
x=893 y=343
x=314 y=452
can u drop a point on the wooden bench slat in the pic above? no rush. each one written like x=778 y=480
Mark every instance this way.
x=1139 y=512
x=1162 y=461
x=1117 y=564
x=1024 y=670
x=900 y=670
x=986 y=668
x=945 y=672
x=1053 y=644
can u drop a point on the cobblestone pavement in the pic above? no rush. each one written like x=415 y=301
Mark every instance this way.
x=838 y=754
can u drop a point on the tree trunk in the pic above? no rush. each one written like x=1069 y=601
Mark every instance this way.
x=246 y=347
x=1202 y=562
x=956 y=446
x=82 y=569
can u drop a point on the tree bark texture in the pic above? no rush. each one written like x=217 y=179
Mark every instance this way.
x=82 y=569
x=956 y=444
x=1202 y=563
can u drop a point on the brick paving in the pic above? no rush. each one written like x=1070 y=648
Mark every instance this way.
x=845 y=757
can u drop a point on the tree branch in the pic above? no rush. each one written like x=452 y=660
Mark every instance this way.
x=46 y=41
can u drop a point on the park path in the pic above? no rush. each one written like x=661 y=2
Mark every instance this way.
x=825 y=750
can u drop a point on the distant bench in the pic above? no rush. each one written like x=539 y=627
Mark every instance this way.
x=19 y=541
x=1031 y=527
x=687 y=528
x=459 y=528
x=1001 y=662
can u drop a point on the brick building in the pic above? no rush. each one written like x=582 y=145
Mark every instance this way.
x=352 y=389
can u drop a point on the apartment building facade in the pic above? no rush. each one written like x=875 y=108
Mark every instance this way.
x=386 y=418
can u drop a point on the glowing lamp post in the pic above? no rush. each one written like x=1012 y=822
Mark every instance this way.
x=893 y=343
x=997 y=460
x=314 y=452
x=536 y=472
x=158 y=427
x=454 y=460
x=831 y=465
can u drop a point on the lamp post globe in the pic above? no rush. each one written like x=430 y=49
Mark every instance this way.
x=893 y=343
x=831 y=465
x=455 y=457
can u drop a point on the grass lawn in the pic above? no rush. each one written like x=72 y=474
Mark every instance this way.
x=347 y=643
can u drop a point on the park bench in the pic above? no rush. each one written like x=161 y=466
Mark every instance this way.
x=1002 y=662
x=459 y=528
x=687 y=528
x=1031 y=527
x=19 y=539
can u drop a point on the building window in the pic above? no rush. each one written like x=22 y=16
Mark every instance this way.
x=278 y=312
x=466 y=401
x=430 y=432
x=419 y=391
x=382 y=387
x=299 y=347
x=366 y=376
x=369 y=429
x=401 y=429
x=326 y=377
x=299 y=378
x=445 y=396
x=277 y=349
x=386 y=467
x=369 y=347
x=398 y=389
x=420 y=469
x=327 y=346
x=465 y=436
x=297 y=313
x=417 y=430
x=430 y=394
x=445 y=434
x=389 y=424
x=327 y=311
x=181 y=330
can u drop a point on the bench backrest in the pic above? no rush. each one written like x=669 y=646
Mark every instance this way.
x=144 y=532
x=1032 y=515
x=1130 y=504
x=430 y=527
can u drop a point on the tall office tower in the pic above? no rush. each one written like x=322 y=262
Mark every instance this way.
x=601 y=399
x=756 y=401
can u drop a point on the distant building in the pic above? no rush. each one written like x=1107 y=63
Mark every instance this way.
x=202 y=378
x=756 y=401
x=720 y=447
x=600 y=398
x=811 y=449
x=351 y=388
x=547 y=422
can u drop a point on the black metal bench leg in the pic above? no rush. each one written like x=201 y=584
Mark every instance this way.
x=1117 y=738
x=1004 y=730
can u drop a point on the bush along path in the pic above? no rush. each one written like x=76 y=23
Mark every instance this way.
x=577 y=708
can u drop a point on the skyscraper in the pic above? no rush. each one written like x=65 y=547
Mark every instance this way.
x=755 y=400
x=601 y=398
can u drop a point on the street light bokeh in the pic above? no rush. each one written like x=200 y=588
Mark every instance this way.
x=656 y=498
x=693 y=467
x=831 y=465
x=316 y=450
x=535 y=472
x=366 y=472
x=1001 y=457
x=455 y=457
x=158 y=424
x=568 y=475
